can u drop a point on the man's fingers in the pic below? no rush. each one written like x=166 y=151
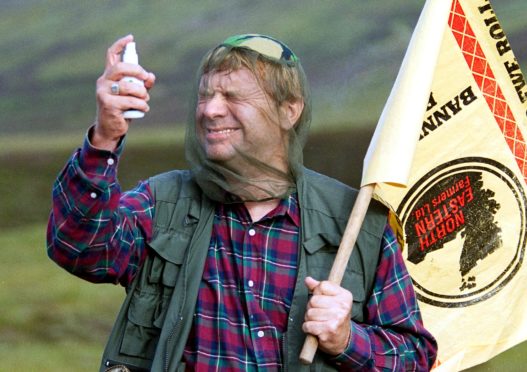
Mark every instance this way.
x=150 y=80
x=326 y=302
x=313 y=327
x=113 y=55
x=323 y=330
x=127 y=88
x=319 y=315
x=131 y=103
x=120 y=69
x=113 y=103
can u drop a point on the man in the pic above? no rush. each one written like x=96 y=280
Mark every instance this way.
x=219 y=261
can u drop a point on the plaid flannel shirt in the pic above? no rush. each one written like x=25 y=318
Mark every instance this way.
x=100 y=234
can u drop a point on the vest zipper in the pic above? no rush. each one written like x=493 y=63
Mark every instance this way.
x=179 y=322
x=284 y=352
x=169 y=339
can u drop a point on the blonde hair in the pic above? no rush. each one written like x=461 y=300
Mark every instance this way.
x=281 y=81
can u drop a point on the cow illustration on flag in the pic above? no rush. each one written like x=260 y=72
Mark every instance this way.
x=462 y=215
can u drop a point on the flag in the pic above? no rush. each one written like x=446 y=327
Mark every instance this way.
x=463 y=211
x=389 y=156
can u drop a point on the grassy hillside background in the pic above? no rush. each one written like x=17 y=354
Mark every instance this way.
x=48 y=70
x=53 y=51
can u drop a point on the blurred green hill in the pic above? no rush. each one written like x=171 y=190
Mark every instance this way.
x=53 y=51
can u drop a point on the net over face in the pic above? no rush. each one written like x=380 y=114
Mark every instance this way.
x=243 y=143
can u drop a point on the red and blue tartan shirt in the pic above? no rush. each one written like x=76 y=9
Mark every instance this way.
x=100 y=234
x=246 y=290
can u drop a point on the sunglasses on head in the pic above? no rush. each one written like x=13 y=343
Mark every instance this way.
x=264 y=45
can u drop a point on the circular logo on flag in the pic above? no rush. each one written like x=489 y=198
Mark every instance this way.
x=464 y=223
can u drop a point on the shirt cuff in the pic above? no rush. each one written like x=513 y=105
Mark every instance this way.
x=359 y=351
x=99 y=163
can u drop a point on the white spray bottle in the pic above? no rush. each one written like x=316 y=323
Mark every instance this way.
x=130 y=56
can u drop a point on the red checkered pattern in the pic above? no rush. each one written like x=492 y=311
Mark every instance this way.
x=486 y=81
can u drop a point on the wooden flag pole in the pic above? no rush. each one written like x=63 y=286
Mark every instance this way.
x=341 y=260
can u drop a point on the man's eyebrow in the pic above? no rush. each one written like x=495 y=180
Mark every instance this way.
x=205 y=90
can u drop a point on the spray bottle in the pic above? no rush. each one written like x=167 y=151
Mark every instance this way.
x=130 y=56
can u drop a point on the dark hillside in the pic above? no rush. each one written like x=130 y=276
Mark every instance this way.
x=338 y=154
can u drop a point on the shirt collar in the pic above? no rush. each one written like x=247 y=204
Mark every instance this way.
x=286 y=207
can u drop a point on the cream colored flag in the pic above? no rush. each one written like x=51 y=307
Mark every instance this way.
x=463 y=214
x=389 y=156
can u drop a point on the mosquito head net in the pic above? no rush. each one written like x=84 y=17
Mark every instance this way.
x=249 y=175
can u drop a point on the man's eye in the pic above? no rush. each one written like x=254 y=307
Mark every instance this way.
x=204 y=95
x=233 y=96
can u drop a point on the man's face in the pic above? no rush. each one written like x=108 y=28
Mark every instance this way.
x=235 y=115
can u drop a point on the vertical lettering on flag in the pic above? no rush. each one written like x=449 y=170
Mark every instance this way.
x=486 y=80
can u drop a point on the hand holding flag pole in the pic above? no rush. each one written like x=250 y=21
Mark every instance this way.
x=390 y=154
x=341 y=260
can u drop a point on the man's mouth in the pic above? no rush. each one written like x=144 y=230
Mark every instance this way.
x=220 y=131
x=219 y=134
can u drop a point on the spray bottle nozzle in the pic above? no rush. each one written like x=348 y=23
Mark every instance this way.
x=130 y=54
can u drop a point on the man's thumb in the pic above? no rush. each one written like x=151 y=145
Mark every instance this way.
x=311 y=283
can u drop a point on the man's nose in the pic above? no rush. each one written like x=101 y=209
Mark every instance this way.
x=215 y=106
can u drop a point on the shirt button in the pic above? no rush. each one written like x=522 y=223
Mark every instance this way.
x=110 y=161
x=252 y=232
x=261 y=334
x=251 y=283
x=93 y=195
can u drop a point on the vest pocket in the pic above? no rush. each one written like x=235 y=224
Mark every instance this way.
x=140 y=335
x=151 y=297
x=321 y=252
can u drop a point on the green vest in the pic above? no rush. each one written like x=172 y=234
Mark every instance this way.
x=151 y=329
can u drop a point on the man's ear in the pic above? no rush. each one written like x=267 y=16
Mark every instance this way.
x=291 y=111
